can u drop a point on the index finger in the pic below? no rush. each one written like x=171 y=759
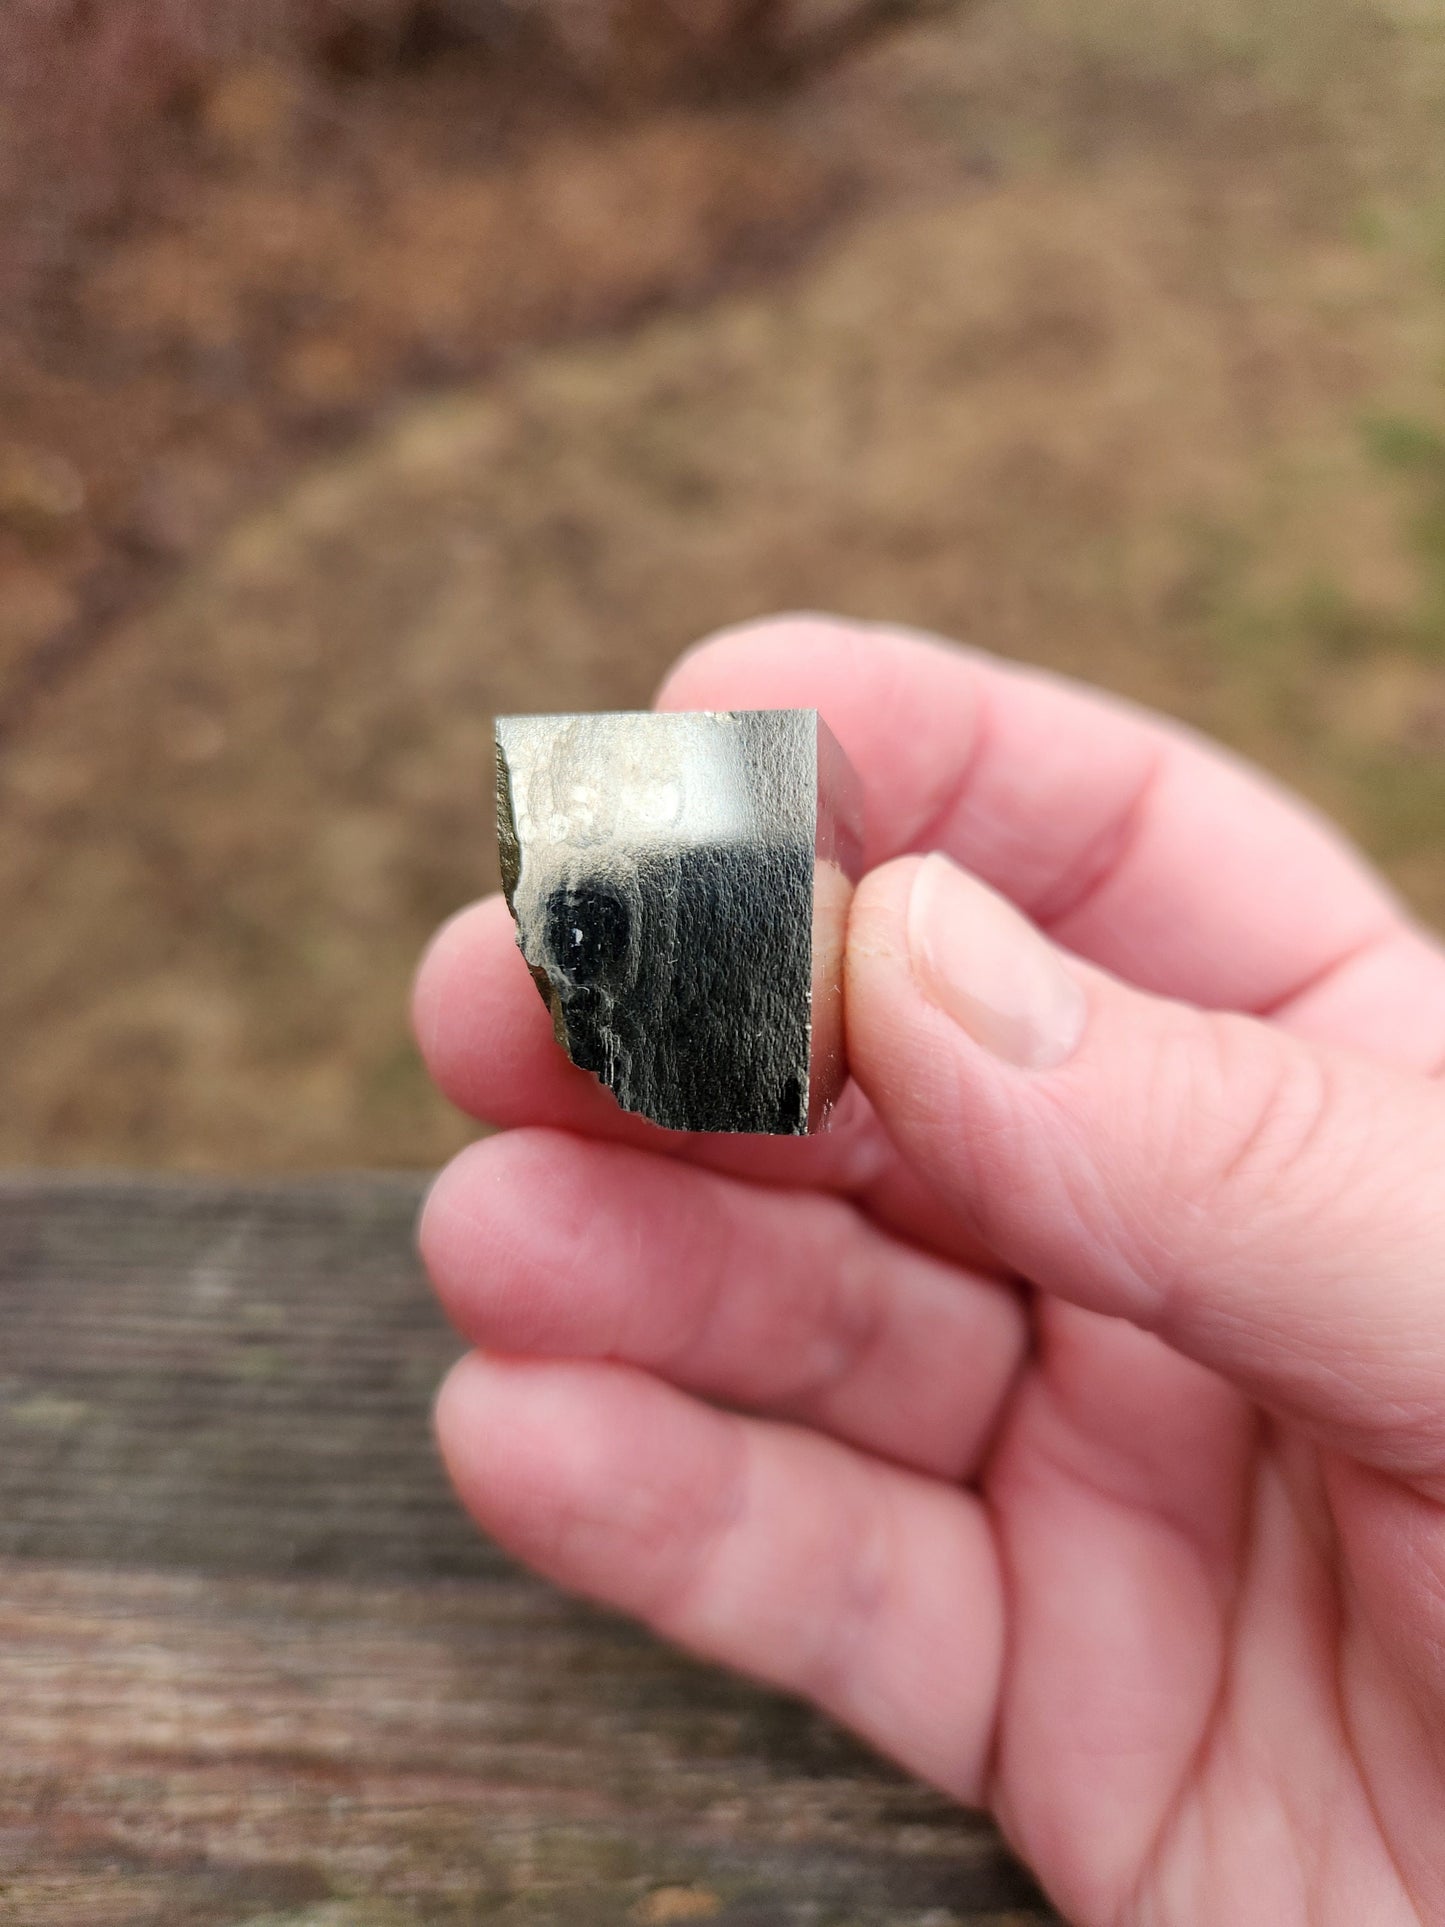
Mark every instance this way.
x=1132 y=841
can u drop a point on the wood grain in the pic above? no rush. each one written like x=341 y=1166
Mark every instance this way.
x=256 y=1668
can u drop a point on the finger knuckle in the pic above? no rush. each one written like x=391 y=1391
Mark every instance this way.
x=1261 y=1132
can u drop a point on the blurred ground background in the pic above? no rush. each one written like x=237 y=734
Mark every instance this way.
x=368 y=368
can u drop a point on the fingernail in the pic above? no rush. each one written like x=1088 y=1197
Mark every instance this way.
x=989 y=969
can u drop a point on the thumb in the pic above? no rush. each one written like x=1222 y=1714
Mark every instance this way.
x=1272 y=1209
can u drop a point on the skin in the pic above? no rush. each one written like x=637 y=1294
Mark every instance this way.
x=1073 y=1430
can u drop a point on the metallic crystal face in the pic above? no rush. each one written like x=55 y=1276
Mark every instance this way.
x=681 y=886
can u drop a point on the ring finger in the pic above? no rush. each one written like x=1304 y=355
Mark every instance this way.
x=788 y=1303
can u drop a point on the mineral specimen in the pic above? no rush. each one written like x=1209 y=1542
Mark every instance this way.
x=680 y=885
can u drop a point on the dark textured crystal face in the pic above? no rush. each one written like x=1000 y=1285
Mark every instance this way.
x=587 y=931
x=679 y=894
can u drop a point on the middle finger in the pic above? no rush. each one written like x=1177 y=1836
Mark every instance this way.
x=789 y=1303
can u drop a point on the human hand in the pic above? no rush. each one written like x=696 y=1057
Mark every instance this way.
x=1070 y=1420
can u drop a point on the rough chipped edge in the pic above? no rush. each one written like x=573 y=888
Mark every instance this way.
x=509 y=850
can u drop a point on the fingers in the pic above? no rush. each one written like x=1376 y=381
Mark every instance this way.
x=1271 y=1209
x=488 y=1042
x=1135 y=843
x=1386 y=998
x=789 y=1303
x=870 y=1590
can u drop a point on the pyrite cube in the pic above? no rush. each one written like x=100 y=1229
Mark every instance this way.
x=680 y=885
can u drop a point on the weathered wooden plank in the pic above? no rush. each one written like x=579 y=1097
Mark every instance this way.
x=232 y=1379
x=255 y=1667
